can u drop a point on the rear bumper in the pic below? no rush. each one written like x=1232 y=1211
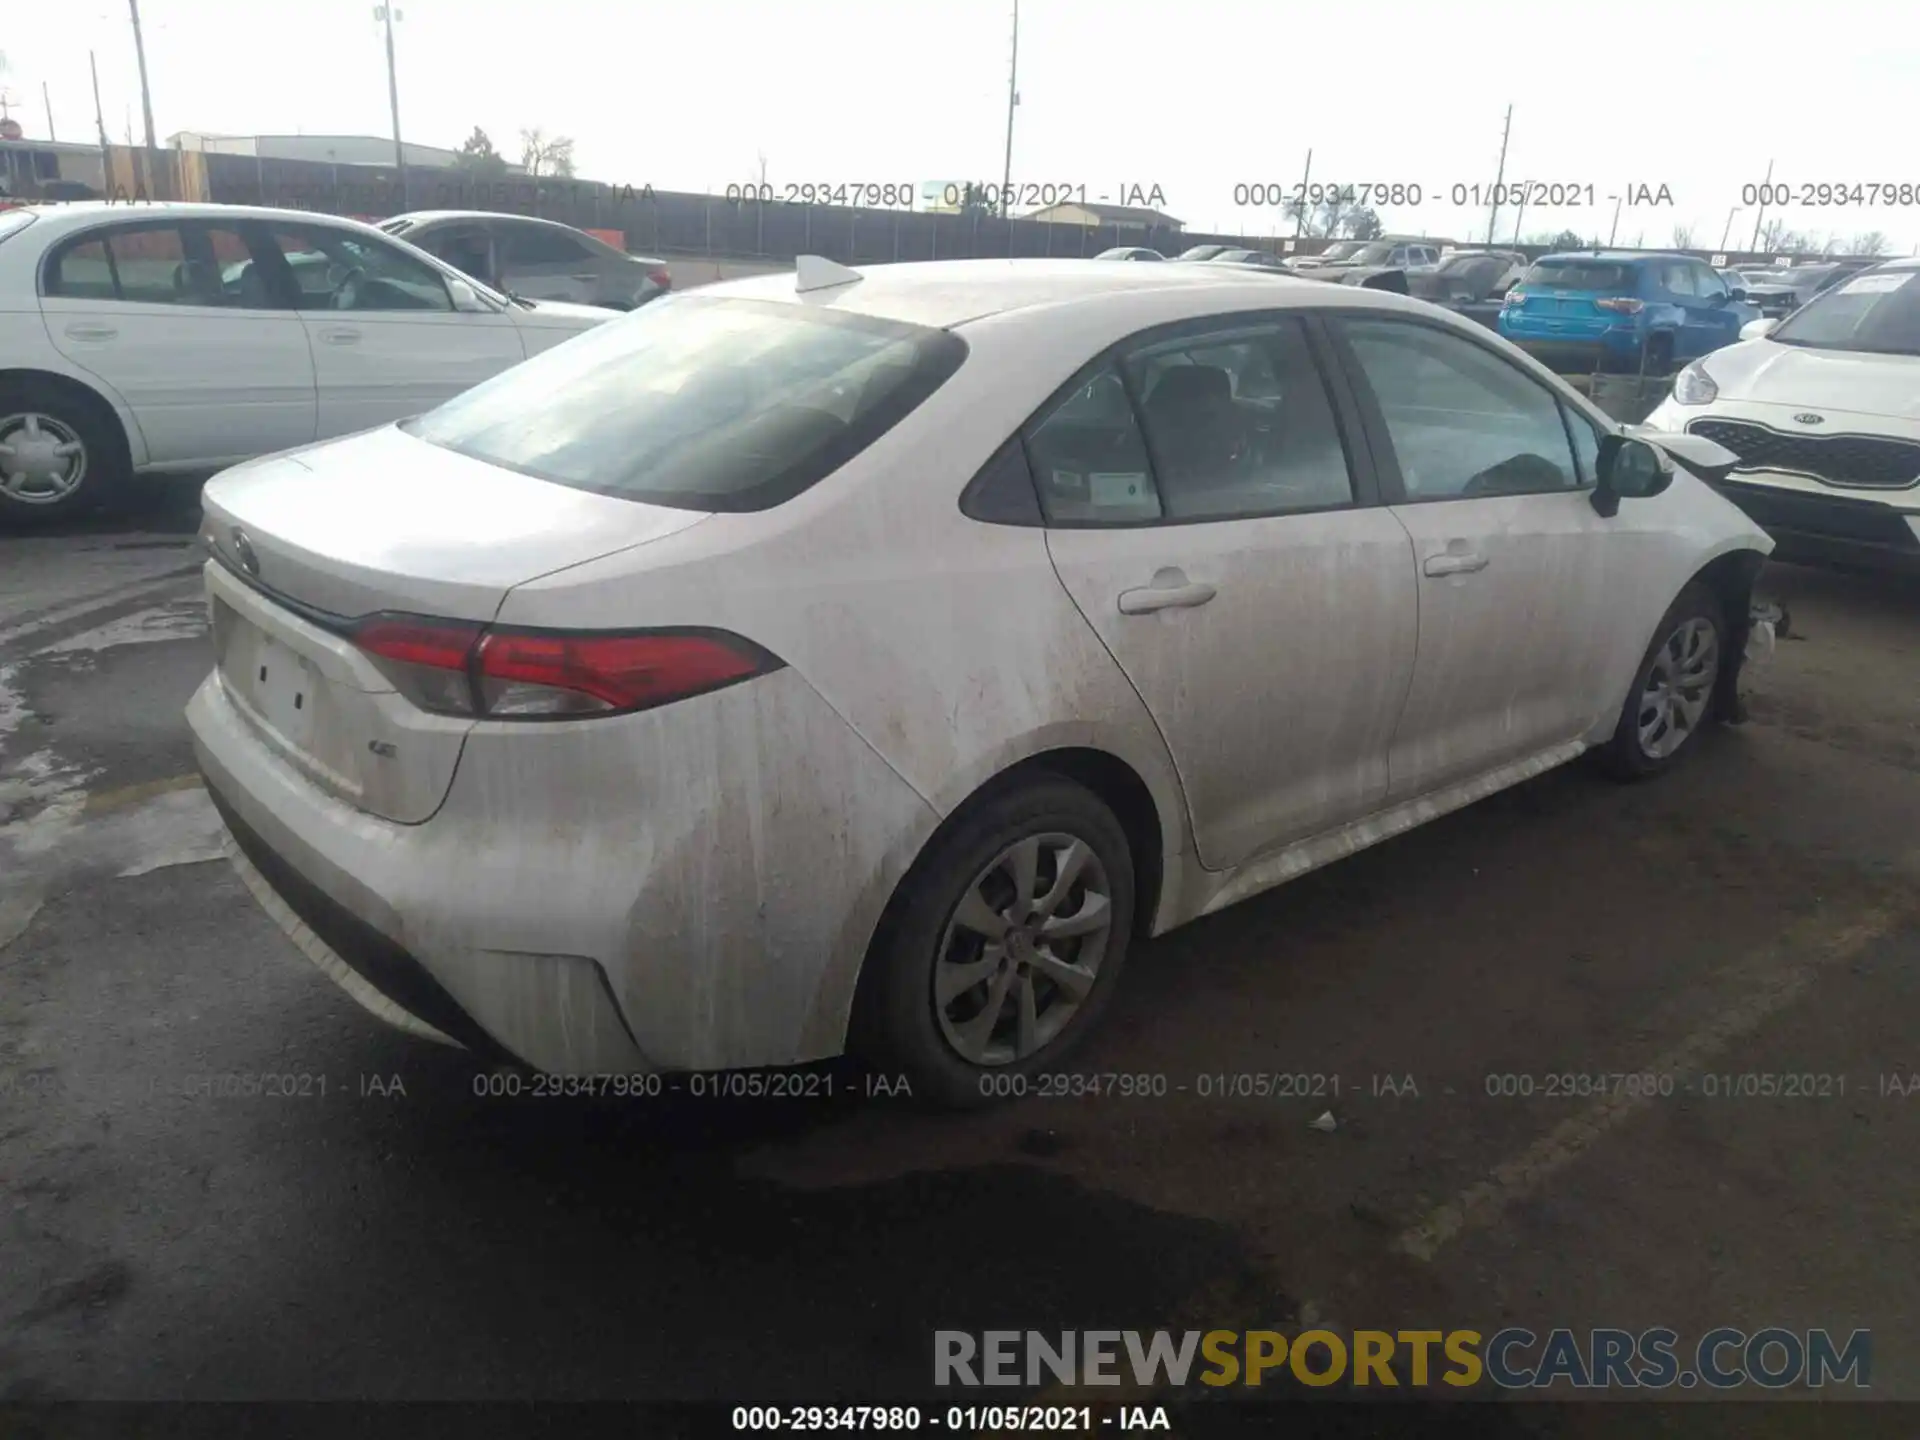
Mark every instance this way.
x=1605 y=349
x=614 y=896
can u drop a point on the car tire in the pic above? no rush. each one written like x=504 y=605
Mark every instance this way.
x=1674 y=694
x=56 y=486
x=933 y=971
x=1659 y=354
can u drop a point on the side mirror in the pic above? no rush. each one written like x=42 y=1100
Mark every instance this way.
x=1739 y=297
x=1629 y=469
x=466 y=298
x=1755 y=329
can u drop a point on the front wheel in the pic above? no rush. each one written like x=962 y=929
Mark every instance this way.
x=1003 y=945
x=1672 y=699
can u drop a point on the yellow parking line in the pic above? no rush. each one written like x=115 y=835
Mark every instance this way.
x=1773 y=977
x=135 y=794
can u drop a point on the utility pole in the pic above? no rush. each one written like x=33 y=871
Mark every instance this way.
x=1729 y=229
x=1616 y=221
x=387 y=14
x=1013 y=99
x=1518 y=219
x=100 y=124
x=139 y=50
x=1500 y=175
x=1766 y=189
x=1300 y=220
x=47 y=100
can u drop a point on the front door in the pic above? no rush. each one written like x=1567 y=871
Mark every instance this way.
x=387 y=342
x=1510 y=558
x=213 y=364
x=1205 y=519
x=545 y=262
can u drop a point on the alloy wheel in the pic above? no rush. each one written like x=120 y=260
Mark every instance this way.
x=1022 y=949
x=1679 y=687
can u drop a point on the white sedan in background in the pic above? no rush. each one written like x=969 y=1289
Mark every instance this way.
x=1823 y=409
x=147 y=339
x=865 y=660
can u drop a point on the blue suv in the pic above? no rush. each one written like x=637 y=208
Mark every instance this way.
x=1620 y=310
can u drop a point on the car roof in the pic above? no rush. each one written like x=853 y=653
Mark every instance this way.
x=1619 y=257
x=70 y=214
x=422 y=217
x=946 y=293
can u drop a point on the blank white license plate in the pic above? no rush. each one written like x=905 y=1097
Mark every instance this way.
x=282 y=686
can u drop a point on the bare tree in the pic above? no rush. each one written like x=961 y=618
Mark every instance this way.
x=1779 y=240
x=1873 y=242
x=541 y=155
x=1362 y=223
x=1683 y=237
x=479 y=158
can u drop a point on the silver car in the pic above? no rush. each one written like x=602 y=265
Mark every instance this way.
x=537 y=259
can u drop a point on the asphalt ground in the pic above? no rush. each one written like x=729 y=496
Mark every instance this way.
x=380 y=1228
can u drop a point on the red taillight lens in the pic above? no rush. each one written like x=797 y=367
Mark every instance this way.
x=426 y=659
x=662 y=279
x=1620 y=305
x=539 y=673
x=1514 y=299
x=453 y=667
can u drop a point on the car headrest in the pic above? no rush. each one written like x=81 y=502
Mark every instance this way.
x=1198 y=386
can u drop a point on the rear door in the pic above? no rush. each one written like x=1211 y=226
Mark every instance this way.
x=173 y=314
x=1718 y=318
x=544 y=262
x=1207 y=519
x=386 y=340
x=1511 y=561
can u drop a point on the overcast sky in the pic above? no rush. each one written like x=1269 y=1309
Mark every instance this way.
x=1193 y=99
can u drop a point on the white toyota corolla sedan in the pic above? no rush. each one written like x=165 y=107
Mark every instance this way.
x=149 y=339
x=1823 y=409
x=864 y=660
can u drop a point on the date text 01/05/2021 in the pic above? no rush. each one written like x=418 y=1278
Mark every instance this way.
x=1534 y=194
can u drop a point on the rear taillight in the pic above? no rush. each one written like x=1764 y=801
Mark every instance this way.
x=457 y=668
x=1619 y=304
x=1514 y=300
x=661 y=278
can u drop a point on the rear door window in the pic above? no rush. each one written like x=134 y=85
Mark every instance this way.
x=701 y=403
x=1090 y=460
x=541 y=245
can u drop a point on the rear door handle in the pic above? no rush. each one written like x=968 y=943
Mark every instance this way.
x=1454 y=563
x=584 y=279
x=91 y=332
x=340 y=336
x=1170 y=590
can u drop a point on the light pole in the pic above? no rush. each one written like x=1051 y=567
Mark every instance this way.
x=1013 y=99
x=1729 y=229
x=386 y=15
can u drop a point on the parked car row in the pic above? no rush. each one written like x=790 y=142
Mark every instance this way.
x=1619 y=310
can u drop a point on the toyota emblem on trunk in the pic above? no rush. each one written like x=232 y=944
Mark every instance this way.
x=243 y=547
x=1807 y=417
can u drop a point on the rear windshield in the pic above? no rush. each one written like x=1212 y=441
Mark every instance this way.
x=1878 y=312
x=700 y=403
x=1580 y=275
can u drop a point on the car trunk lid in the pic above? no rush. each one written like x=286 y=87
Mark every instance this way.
x=308 y=543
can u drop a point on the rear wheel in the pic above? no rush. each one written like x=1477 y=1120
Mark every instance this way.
x=1673 y=692
x=1002 y=947
x=59 y=455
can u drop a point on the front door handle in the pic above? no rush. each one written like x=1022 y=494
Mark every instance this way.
x=1170 y=590
x=91 y=332
x=1454 y=563
x=340 y=336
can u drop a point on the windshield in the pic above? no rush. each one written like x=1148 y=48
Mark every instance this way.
x=1340 y=250
x=1201 y=252
x=1878 y=312
x=394 y=227
x=1460 y=264
x=1580 y=275
x=1804 y=275
x=699 y=403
